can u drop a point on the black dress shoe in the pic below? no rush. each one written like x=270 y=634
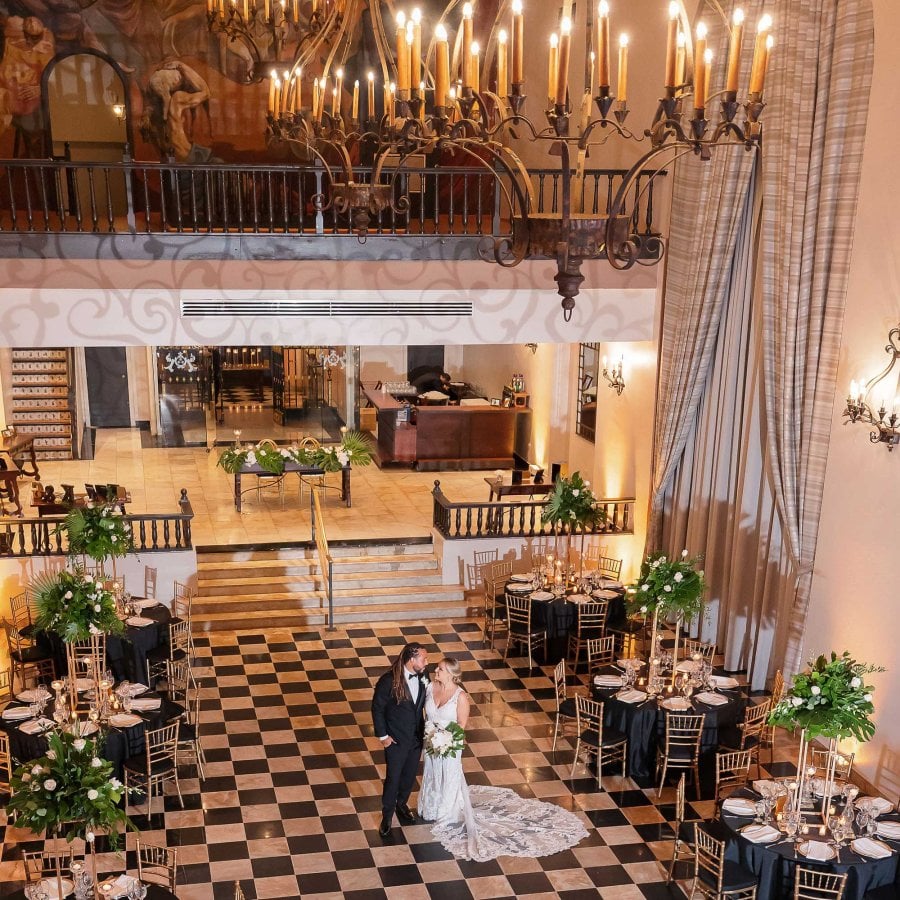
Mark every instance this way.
x=406 y=815
x=384 y=829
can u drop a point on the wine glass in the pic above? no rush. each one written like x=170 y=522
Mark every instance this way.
x=862 y=819
x=792 y=825
x=761 y=812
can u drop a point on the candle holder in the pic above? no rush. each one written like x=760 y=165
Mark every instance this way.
x=604 y=101
x=559 y=119
x=699 y=125
x=729 y=106
x=621 y=112
x=516 y=98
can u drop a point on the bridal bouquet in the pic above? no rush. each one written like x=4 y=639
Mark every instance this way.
x=442 y=741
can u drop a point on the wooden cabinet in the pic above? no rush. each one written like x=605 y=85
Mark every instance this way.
x=516 y=398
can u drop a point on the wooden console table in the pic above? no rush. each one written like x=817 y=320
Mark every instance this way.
x=500 y=490
x=290 y=467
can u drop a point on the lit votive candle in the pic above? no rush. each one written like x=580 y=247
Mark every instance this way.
x=805 y=828
x=821 y=831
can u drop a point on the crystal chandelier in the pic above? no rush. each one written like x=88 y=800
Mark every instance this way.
x=451 y=99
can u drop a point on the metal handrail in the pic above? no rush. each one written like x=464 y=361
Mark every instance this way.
x=153 y=533
x=326 y=562
x=471 y=520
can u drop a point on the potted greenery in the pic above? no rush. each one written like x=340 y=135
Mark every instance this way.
x=74 y=605
x=353 y=450
x=572 y=507
x=99 y=531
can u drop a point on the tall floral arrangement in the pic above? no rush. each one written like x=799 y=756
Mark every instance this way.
x=74 y=605
x=829 y=699
x=70 y=790
x=572 y=505
x=353 y=450
x=668 y=587
x=99 y=531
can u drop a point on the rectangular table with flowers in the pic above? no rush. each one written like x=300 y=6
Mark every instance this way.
x=289 y=466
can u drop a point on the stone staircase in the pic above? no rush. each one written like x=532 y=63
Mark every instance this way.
x=284 y=587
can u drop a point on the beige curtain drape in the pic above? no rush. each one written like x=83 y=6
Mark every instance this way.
x=747 y=488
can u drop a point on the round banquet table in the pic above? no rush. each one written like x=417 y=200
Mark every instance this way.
x=116 y=744
x=645 y=725
x=154 y=892
x=774 y=864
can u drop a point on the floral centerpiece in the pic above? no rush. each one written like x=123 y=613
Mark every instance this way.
x=442 y=741
x=572 y=505
x=829 y=699
x=353 y=450
x=668 y=587
x=74 y=605
x=70 y=791
x=99 y=531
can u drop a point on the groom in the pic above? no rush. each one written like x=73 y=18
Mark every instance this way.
x=397 y=713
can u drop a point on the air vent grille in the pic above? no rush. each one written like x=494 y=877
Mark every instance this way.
x=306 y=309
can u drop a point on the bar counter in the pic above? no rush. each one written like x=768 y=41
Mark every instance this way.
x=449 y=437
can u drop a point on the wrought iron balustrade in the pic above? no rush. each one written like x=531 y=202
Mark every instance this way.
x=63 y=197
x=153 y=533
x=518 y=519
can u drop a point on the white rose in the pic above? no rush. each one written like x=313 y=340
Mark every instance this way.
x=115 y=784
x=26 y=777
x=92 y=794
x=42 y=811
x=68 y=595
x=96 y=607
x=643 y=609
x=587 y=484
x=36 y=770
x=575 y=492
x=683 y=554
x=79 y=744
x=113 y=538
x=867 y=698
x=679 y=576
x=645 y=587
x=96 y=762
x=855 y=682
x=51 y=754
x=49 y=785
x=662 y=559
x=667 y=588
x=89 y=837
x=700 y=573
x=815 y=690
x=797 y=701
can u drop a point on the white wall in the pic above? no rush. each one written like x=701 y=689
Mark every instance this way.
x=854 y=588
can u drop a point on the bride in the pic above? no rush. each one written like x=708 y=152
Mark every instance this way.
x=481 y=822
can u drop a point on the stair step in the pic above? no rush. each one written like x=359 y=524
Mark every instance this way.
x=287 y=568
x=308 y=551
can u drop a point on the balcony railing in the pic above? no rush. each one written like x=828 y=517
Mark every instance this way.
x=457 y=521
x=153 y=533
x=62 y=197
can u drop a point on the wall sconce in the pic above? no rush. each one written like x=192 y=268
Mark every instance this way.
x=884 y=424
x=614 y=375
x=119 y=112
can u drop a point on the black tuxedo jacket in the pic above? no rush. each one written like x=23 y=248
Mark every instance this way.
x=403 y=721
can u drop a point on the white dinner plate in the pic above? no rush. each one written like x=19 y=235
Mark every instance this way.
x=51 y=888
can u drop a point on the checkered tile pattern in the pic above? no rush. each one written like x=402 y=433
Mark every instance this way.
x=291 y=802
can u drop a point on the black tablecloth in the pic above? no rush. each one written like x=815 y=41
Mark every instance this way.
x=774 y=864
x=117 y=744
x=645 y=724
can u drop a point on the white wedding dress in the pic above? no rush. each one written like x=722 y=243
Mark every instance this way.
x=482 y=823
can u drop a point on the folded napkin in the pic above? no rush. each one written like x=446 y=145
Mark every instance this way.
x=146 y=703
x=686 y=665
x=137 y=689
x=761 y=834
x=516 y=588
x=608 y=680
x=542 y=595
x=632 y=696
x=739 y=806
x=873 y=849
x=634 y=663
x=579 y=598
x=87 y=728
x=678 y=704
x=817 y=850
x=139 y=621
x=31 y=695
x=876 y=806
x=608 y=583
x=890 y=830
x=521 y=577
x=16 y=713
x=36 y=726
x=724 y=681
x=710 y=699
x=124 y=720
x=149 y=603
x=604 y=595
x=120 y=886
x=50 y=888
x=763 y=784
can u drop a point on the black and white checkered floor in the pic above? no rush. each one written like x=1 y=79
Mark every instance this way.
x=291 y=802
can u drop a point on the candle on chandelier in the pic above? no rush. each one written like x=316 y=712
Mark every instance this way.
x=707 y=71
x=760 y=54
x=402 y=53
x=468 y=38
x=270 y=105
x=592 y=72
x=622 y=90
x=296 y=9
x=671 y=39
x=323 y=83
x=386 y=99
x=334 y=102
x=246 y=10
x=315 y=6
x=562 y=62
x=315 y=99
x=552 y=67
x=370 y=94
x=475 y=69
x=502 y=77
x=278 y=90
x=355 y=113
x=518 y=43
x=267 y=9
x=286 y=92
x=339 y=85
x=451 y=102
x=422 y=98
x=603 y=45
x=298 y=91
x=441 y=65
x=700 y=67
x=734 y=52
x=680 y=56
x=415 y=72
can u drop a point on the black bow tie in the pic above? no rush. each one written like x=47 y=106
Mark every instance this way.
x=413 y=675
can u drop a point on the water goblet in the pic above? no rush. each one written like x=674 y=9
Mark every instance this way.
x=871 y=826
x=792 y=825
x=862 y=819
x=760 y=816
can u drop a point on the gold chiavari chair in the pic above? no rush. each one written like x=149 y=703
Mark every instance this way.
x=179 y=647
x=115 y=585
x=607 y=744
x=732 y=771
x=711 y=876
x=24 y=657
x=312 y=481
x=767 y=738
x=519 y=628
x=681 y=750
x=685 y=837
x=22 y=613
x=496 y=576
x=590 y=624
x=699 y=648
x=157 y=864
x=814 y=884
x=609 y=568
x=5 y=758
x=843 y=763
x=183 y=687
x=600 y=652
x=590 y=560
x=239 y=892
x=156 y=765
x=565 y=705
x=150 y=582
x=751 y=730
x=41 y=864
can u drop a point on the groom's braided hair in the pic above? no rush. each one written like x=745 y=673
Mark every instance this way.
x=399 y=689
